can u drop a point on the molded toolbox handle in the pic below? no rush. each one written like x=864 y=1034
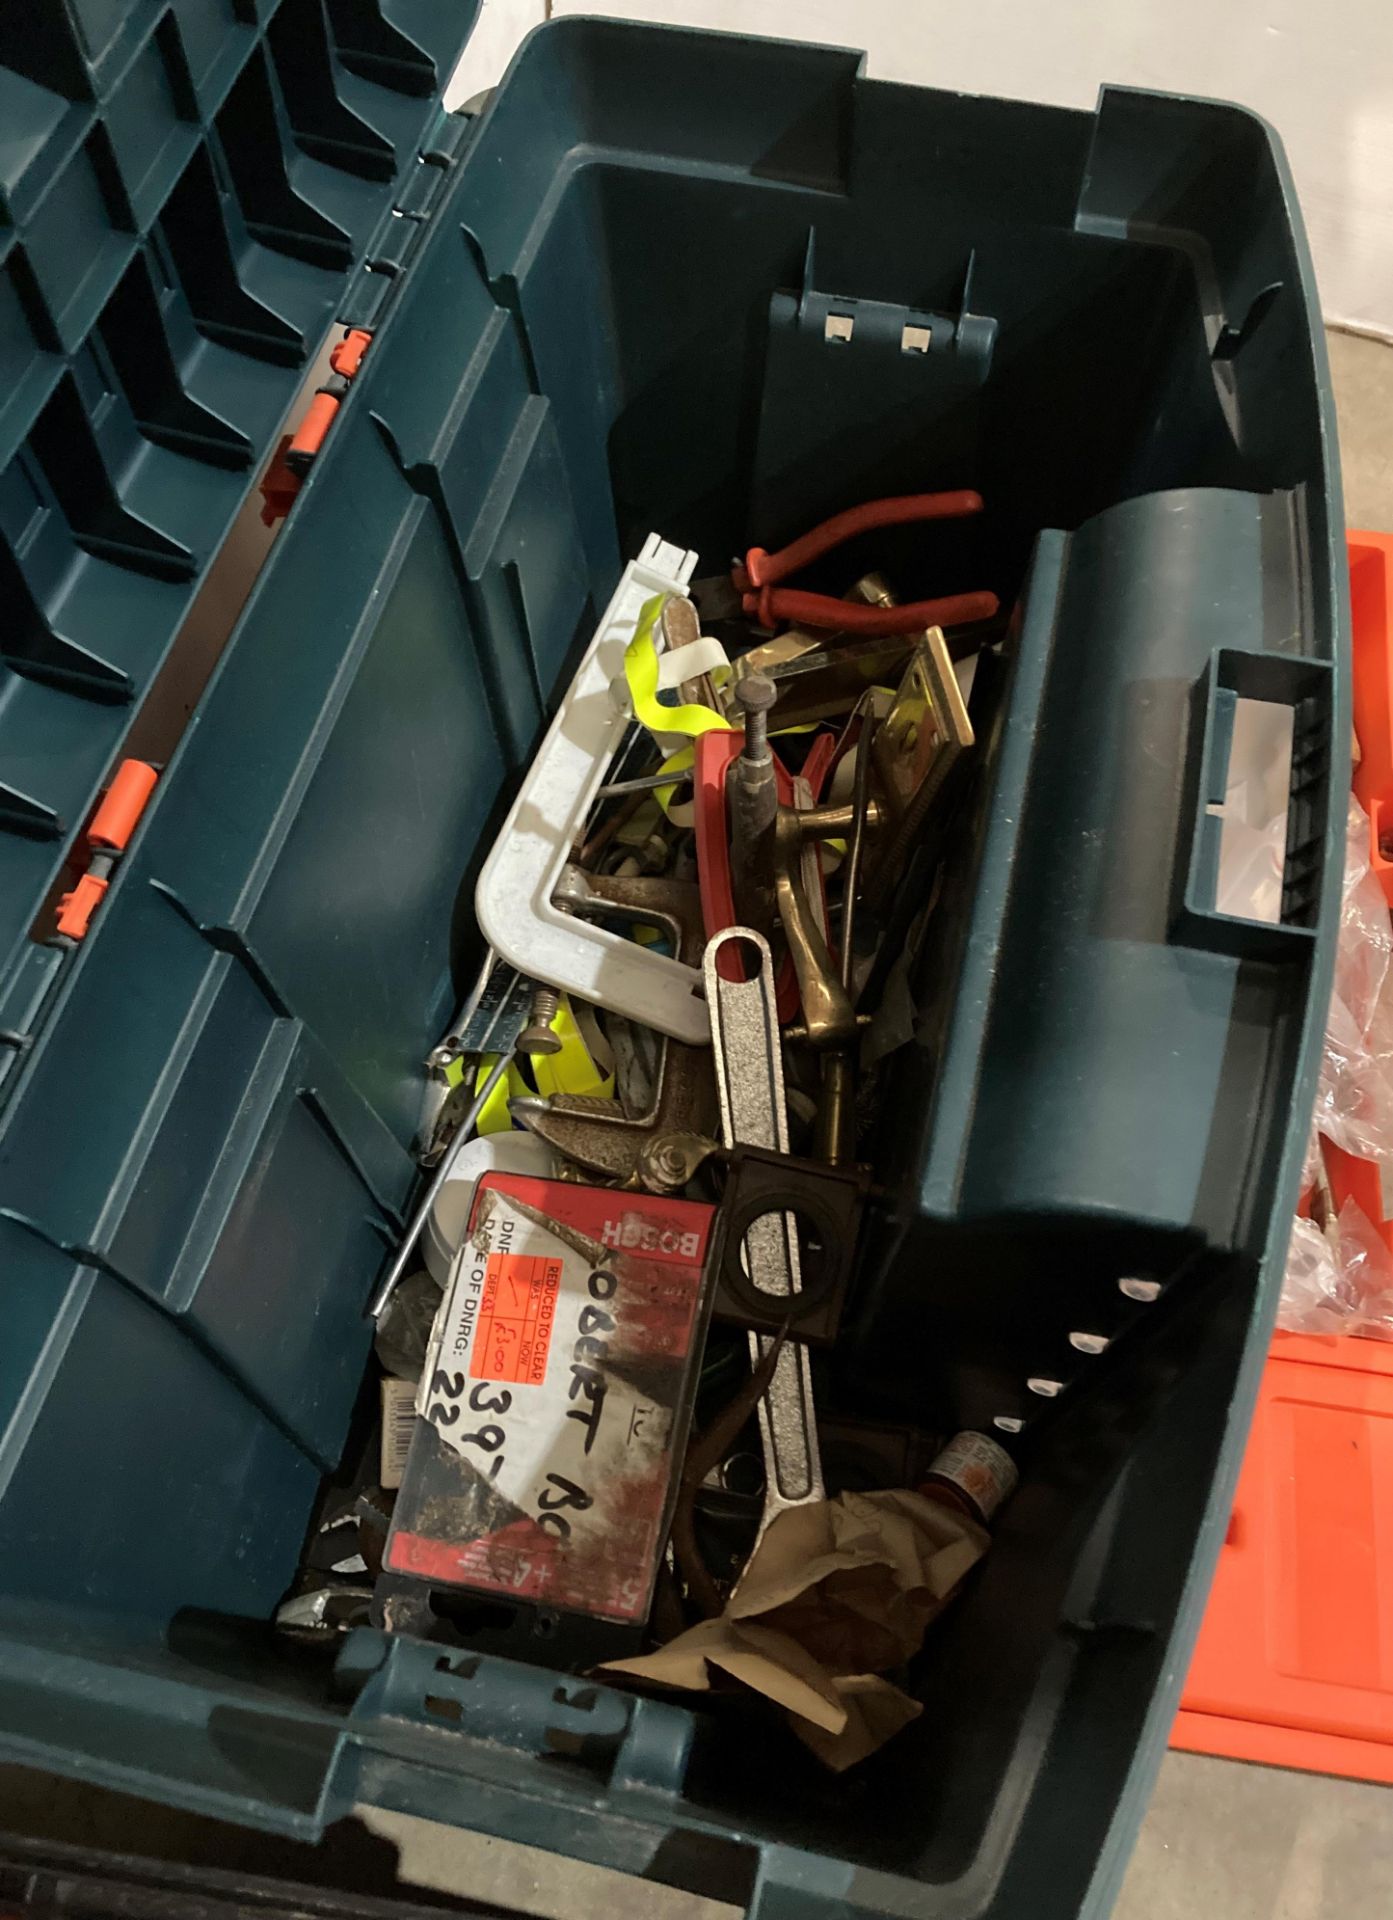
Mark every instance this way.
x=1307 y=687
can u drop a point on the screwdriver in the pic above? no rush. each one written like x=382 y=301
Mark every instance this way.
x=377 y=1306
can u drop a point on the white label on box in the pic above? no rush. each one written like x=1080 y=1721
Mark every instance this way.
x=523 y=1382
x=556 y=1384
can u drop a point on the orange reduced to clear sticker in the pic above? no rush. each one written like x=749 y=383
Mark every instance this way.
x=516 y=1316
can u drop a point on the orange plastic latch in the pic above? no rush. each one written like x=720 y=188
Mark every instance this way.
x=121 y=806
x=107 y=837
x=296 y=453
x=308 y=437
x=347 y=356
x=279 y=486
x=75 y=909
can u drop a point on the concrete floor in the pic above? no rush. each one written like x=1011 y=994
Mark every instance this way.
x=1363 y=374
x=1222 y=1840
x=1257 y=1843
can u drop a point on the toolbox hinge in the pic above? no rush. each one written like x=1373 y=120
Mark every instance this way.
x=386 y=260
x=103 y=843
x=401 y=229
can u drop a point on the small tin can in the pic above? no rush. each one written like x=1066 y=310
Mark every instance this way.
x=973 y=1474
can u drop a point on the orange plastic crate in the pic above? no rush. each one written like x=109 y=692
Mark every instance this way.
x=1371 y=604
x=1294 y=1664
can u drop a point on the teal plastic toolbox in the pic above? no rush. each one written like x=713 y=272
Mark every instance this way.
x=597 y=309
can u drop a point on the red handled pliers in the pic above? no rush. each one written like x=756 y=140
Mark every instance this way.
x=760 y=595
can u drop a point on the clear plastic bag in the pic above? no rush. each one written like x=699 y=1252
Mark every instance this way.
x=1339 y=1280
x=1354 y=1099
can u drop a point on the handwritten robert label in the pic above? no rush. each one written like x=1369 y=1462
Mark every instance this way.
x=590 y=1353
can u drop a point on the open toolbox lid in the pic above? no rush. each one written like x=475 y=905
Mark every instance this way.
x=189 y=196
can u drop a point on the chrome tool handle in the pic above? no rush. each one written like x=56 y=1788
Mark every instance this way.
x=750 y=1087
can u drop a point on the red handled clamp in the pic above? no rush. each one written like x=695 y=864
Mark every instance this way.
x=761 y=596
